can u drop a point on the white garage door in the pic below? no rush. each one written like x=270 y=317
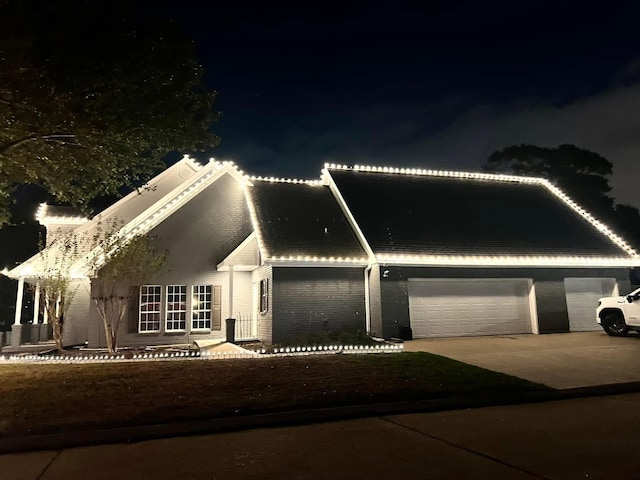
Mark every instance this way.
x=582 y=300
x=459 y=307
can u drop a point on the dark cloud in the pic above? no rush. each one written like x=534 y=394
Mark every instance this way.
x=607 y=123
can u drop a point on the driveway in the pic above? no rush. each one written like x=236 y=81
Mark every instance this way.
x=561 y=360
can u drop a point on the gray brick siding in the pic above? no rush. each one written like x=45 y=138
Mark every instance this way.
x=314 y=300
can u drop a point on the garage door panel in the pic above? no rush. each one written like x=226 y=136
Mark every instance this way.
x=469 y=307
x=582 y=296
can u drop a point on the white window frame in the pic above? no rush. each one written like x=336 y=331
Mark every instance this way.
x=144 y=295
x=170 y=311
x=263 y=296
x=201 y=295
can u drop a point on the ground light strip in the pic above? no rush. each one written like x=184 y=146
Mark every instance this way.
x=277 y=353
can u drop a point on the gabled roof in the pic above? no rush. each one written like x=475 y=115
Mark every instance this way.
x=138 y=212
x=302 y=222
x=431 y=217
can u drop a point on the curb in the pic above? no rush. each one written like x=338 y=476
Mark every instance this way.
x=208 y=426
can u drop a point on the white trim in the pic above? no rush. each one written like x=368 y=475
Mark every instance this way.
x=533 y=306
x=264 y=253
x=225 y=264
x=506 y=261
x=345 y=209
x=36 y=304
x=316 y=261
x=19 y=296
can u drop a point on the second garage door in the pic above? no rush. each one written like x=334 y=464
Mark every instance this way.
x=582 y=300
x=465 y=307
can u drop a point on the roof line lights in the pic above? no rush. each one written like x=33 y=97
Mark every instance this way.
x=501 y=178
x=259 y=178
x=41 y=217
x=316 y=259
x=435 y=173
x=590 y=218
x=255 y=223
x=507 y=260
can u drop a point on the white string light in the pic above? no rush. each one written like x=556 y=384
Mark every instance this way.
x=177 y=356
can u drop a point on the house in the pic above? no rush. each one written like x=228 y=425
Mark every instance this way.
x=369 y=248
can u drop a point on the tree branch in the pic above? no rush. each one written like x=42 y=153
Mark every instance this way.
x=58 y=137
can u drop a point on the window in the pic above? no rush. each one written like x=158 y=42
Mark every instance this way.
x=176 y=308
x=264 y=295
x=201 y=307
x=149 y=318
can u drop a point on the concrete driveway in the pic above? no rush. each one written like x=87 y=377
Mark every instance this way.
x=561 y=360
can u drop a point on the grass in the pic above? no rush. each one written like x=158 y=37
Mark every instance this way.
x=58 y=398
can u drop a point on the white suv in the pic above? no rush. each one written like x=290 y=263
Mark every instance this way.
x=618 y=315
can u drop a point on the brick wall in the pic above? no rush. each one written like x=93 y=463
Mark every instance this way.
x=313 y=300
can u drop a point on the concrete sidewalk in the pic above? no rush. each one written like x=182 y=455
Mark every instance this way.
x=578 y=438
x=562 y=360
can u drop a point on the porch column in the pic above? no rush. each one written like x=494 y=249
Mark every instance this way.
x=45 y=316
x=18 y=315
x=36 y=305
x=16 y=328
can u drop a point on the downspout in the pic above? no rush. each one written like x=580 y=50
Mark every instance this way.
x=231 y=292
x=367 y=298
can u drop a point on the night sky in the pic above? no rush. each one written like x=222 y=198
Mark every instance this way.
x=408 y=83
x=430 y=84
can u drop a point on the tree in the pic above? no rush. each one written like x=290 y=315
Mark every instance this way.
x=580 y=173
x=55 y=280
x=92 y=99
x=123 y=266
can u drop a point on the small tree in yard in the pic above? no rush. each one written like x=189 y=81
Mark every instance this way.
x=56 y=283
x=125 y=266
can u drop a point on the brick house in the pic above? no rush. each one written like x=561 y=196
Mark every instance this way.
x=362 y=248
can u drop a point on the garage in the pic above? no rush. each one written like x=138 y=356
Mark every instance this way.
x=582 y=299
x=468 y=307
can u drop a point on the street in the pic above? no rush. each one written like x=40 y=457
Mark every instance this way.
x=582 y=438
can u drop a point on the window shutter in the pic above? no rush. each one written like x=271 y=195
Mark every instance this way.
x=216 y=308
x=134 y=313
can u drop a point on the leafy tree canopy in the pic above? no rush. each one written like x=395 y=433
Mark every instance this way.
x=580 y=173
x=92 y=99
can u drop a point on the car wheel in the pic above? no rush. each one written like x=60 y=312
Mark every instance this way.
x=614 y=325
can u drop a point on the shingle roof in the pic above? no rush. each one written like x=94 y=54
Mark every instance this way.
x=430 y=215
x=302 y=220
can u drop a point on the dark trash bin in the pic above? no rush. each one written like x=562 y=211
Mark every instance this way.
x=231 y=330
x=406 y=333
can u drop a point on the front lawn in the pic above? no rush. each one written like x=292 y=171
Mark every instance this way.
x=39 y=398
